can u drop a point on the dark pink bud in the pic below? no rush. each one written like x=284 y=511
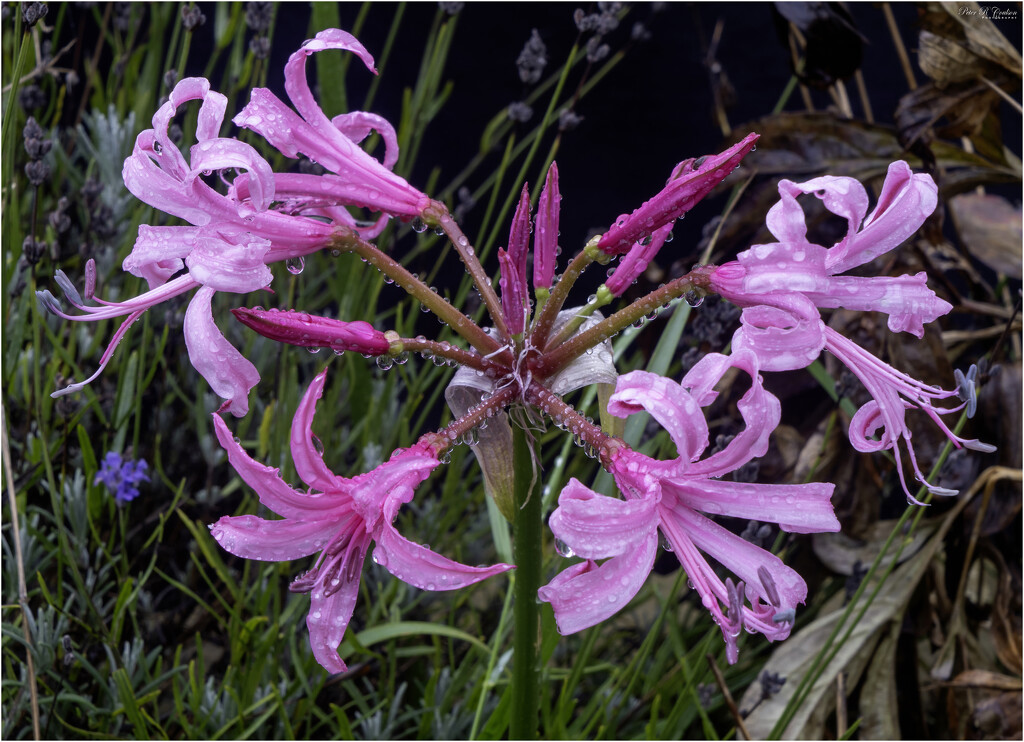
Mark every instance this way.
x=519 y=237
x=310 y=331
x=513 y=293
x=636 y=260
x=691 y=181
x=545 y=238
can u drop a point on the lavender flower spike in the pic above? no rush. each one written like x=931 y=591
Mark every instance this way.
x=122 y=476
x=340 y=518
x=670 y=496
x=310 y=331
x=691 y=180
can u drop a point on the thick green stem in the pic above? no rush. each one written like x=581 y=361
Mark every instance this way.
x=463 y=325
x=546 y=318
x=527 y=554
x=476 y=271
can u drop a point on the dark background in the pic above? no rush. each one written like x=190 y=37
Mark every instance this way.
x=653 y=110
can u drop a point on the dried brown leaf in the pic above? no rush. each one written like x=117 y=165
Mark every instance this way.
x=879 y=706
x=945 y=61
x=986 y=679
x=990 y=228
x=840 y=552
x=971 y=26
x=963 y=105
x=794 y=656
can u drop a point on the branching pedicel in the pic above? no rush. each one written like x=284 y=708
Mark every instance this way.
x=535 y=352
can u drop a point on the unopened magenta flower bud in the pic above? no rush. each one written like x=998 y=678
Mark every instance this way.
x=513 y=292
x=310 y=331
x=545 y=236
x=519 y=236
x=691 y=181
x=636 y=260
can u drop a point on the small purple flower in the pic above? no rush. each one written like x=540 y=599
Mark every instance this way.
x=121 y=476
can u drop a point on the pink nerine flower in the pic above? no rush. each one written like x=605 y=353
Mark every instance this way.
x=670 y=496
x=227 y=249
x=691 y=180
x=339 y=518
x=358 y=178
x=224 y=258
x=771 y=274
x=781 y=285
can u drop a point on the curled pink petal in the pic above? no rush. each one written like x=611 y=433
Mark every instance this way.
x=266 y=481
x=797 y=508
x=222 y=154
x=590 y=593
x=668 y=403
x=250 y=537
x=781 y=340
x=228 y=259
x=907 y=299
x=423 y=568
x=308 y=460
x=327 y=621
x=906 y=201
x=356 y=125
x=594 y=526
x=226 y=370
x=159 y=252
x=844 y=197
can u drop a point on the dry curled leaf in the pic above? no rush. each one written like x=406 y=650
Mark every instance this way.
x=970 y=26
x=990 y=229
x=986 y=679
